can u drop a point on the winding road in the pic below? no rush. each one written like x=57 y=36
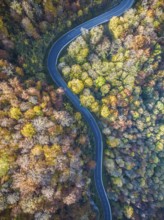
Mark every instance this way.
x=52 y=60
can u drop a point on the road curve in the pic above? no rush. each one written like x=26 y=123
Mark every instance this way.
x=52 y=60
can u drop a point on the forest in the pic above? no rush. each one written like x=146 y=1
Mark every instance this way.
x=46 y=147
x=45 y=150
x=117 y=71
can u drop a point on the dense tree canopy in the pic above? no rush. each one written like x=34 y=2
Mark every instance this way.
x=125 y=90
x=45 y=153
x=42 y=167
x=116 y=70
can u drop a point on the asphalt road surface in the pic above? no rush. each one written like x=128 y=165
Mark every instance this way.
x=52 y=60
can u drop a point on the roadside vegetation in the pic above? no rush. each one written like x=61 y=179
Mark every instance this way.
x=28 y=28
x=117 y=71
x=45 y=151
x=44 y=172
